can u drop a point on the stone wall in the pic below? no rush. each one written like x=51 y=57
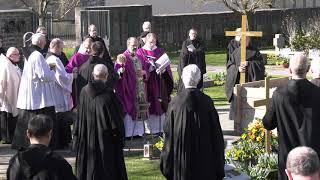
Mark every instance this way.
x=172 y=30
x=14 y=24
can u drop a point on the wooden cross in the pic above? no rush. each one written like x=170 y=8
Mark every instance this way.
x=244 y=34
x=265 y=102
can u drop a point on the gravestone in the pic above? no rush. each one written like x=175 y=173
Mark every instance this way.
x=246 y=94
x=278 y=42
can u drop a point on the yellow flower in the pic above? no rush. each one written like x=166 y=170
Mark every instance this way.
x=259 y=139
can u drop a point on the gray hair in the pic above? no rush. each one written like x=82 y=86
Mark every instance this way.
x=191 y=75
x=56 y=42
x=36 y=38
x=130 y=39
x=315 y=67
x=100 y=72
x=11 y=50
x=303 y=161
x=299 y=65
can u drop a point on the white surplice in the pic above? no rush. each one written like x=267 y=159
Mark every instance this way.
x=63 y=85
x=10 y=75
x=36 y=85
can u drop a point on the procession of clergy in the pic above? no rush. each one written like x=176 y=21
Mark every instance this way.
x=106 y=101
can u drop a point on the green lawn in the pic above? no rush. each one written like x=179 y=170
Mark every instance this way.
x=217 y=94
x=142 y=169
x=213 y=58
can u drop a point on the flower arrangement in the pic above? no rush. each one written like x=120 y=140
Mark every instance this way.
x=159 y=144
x=246 y=151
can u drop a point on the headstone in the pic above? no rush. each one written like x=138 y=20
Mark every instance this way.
x=231 y=173
x=246 y=94
x=314 y=53
x=278 y=42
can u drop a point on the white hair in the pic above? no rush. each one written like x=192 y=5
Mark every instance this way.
x=299 y=65
x=315 y=67
x=303 y=161
x=36 y=38
x=238 y=38
x=191 y=75
x=100 y=72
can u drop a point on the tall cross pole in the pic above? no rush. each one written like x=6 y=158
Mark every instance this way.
x=265 y=102
x=244 y=34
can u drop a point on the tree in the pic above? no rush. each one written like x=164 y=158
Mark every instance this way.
x=243 y=6
x=41 y=7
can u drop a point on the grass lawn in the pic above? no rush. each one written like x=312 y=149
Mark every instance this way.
x=141 y=169
x=213 y=58
x=217 y=94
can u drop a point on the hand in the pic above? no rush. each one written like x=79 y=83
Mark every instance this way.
x=190 y=49
x=75 y=73
x=140 y=73
x=242 y=68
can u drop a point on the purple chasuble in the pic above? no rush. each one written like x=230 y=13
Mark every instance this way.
x=125 y=87
x=153 y=84
x=76 y=61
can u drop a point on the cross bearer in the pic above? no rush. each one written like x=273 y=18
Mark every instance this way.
x=244 y=65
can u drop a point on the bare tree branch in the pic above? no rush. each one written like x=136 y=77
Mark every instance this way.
x=242 y=6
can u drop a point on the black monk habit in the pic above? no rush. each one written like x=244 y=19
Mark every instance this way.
x=294 y=111
x=39 y=162
x=85 y=73
x=196 y=57
x=233 y=45
x=99 y=134
x=194 y=145
x=254 y=71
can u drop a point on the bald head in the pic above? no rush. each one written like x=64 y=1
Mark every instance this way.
x=303 y=163
x=146 y=26
x=299 y=66
x=13 y=54
x=100 y=72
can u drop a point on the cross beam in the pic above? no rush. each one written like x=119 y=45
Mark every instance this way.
x=244 y=34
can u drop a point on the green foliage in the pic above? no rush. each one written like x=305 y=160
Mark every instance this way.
x=305 y=41
x=69 y=52
x=251 y=145
x=219 y=79
x=276 y=60
x=266 y=167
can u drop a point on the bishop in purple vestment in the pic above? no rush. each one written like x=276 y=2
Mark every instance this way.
x=159 y=87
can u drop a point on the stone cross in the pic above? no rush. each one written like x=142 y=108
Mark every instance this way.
x=278 y=42
x=265 y=102
x=244 y=34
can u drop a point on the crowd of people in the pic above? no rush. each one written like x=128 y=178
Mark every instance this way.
x=106 y=100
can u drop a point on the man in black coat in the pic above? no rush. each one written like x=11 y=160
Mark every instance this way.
x=192 y=52
x=193 y=146
x=253 y=68
x=38 y=161
x=99 y=131
x=233 y=45
x=294 y=111
x=93 y=34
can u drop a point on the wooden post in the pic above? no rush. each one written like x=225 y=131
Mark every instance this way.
x=265 y=102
